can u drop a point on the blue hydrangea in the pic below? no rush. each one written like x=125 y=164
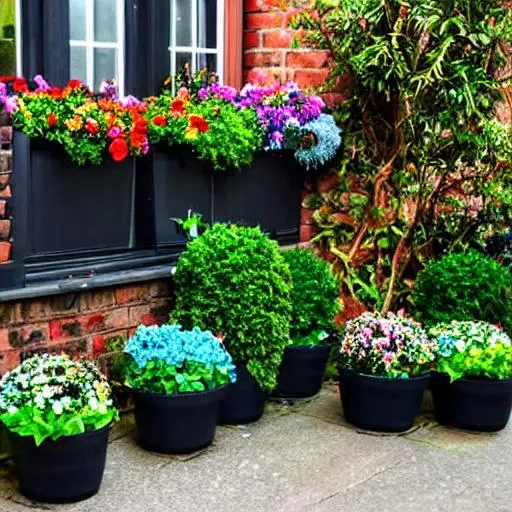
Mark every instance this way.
x=327 y=141
x=174 y=346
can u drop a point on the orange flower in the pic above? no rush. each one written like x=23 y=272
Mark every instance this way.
x=199 y=123
x=177 y=107
x=75 y=123
x=159 y=120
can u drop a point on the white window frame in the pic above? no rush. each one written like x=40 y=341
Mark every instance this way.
x=193 y=49
x=90 y=44
x=17 y=37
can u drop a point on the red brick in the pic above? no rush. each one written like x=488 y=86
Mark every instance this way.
x=132 y=294
x=98 y=344
x=96 y=300
x=5 y=178
x=252 y=40
x=277 y=39
x=263 y=59
x=332 y=99
x=307 y=231
x=289 y=15
x=11 y=314
x=254 y=6
x=93 y=323
x=28 y=335
x=3 y=208
x=6 y=134
x=9 y=360
x=4 y=340
x=5 y=229
x=327 y=182
x=306 y=216
x=5 y=161
x=307 y=59
x=311 y=78
x=255 y=21
x=5 y=192
x=76 y=326
x=117 y=319
x=161 y=289
x=5 y=251
x=157 y=313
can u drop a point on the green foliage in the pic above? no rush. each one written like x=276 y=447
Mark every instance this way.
x=315 y=296
x=424 y=152
x=464 y=286
x=234 y=281
x=472 y=349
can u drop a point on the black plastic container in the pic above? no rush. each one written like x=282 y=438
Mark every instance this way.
x=244 y=401
x=472 y=404
x=67 y=470
x=302 y=371
x=381 y=404
x=177 y=423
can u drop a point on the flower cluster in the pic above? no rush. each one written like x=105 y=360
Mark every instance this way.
x=166 y=359
x=472 y=349
x=50 y=396
x=386 y=346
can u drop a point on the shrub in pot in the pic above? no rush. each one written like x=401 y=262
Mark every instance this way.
x=178 y=379
x=57 y=412
x=472 y=382
x=315 y=302
x=234 y=281
x=464 y=286
x=384 y=369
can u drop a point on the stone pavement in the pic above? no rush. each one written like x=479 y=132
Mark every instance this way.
x=303 y=457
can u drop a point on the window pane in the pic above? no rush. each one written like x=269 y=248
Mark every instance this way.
x=207 y=61
x=183 y=22
x=207 y=24
x=78 y=63
x=77 y=19
x=105 y=65
x=7 y=37
x=105 y=20
x=183 y=59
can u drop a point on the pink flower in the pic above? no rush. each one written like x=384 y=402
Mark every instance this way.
x=388 y=357
x=367 y=332
x=114 y=132
x=11 y=104
x=42 y=84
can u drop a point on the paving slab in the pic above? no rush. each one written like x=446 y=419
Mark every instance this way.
x=302 y=456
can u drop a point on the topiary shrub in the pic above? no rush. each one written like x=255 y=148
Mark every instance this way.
x=464 y=286
x=235 y=282
x=315 y=296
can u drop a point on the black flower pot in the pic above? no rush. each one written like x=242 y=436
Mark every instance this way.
x=302 y=371
x=177 y=423
x=67 y=470
x=381 y=404
x=472 y=404
x=244 y=401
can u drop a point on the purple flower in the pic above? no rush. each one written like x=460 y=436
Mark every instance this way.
x=129 y=101
x=10 y=104
x=42 y=84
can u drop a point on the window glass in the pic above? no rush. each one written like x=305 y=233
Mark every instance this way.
x=207 y=24
x=105 y=15
x=105 y=64
x=183 y=22
x=77 y=21
x=78 y=67
x=7 y=37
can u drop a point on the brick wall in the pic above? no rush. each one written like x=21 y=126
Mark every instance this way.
x=87 y=324
x=267 y=41
x=5 y=193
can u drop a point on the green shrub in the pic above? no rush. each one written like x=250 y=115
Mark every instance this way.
x=315 y=296
x=464 y=286
x=235 y=282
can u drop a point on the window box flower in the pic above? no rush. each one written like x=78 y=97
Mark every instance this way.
x=472 y=384
x=57 y=412
x=178 y=379
x=384 y=370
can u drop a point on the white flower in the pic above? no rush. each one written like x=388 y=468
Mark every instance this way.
x=460 y=345
x=39 y=401
x=93 y=403
x=47 y=392
x=57 y=407
x=102 y=408
x=12 y=410
x=65 y=401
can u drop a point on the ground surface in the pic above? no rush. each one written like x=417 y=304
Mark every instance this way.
x=303 y=457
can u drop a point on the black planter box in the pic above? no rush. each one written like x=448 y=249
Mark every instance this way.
x=74 y=208
x=181 y=182
x=268 y=194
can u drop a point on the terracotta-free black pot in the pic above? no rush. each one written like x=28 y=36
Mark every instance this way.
x=302 y=371
x=244 y=401
x=381 y=404
x=472 y=404
x=67 y=470
x=177 y=423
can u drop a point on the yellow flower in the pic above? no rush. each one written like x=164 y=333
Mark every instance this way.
x=191 y=133
x=74 y=124
x=27 y=114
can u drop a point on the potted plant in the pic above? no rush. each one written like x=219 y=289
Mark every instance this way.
x=234 y=281
x=472 y=382
x=58 y=413
x=177 y=378
x=384 y=369
x=315 y=302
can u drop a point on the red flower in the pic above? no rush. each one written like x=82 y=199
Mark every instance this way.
x=177 y=107
x=55 y=92
x=7 y=78
x=52 y=120
x=20 y=85
x=92 y=126
x=118 y=149
x=137 y=139
x=74 y=84
x=159 y=120
x=140 y=124
x=198 y=123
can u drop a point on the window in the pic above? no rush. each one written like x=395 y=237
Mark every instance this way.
x=97 y=41
x=197 y=35
x=9 y=37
